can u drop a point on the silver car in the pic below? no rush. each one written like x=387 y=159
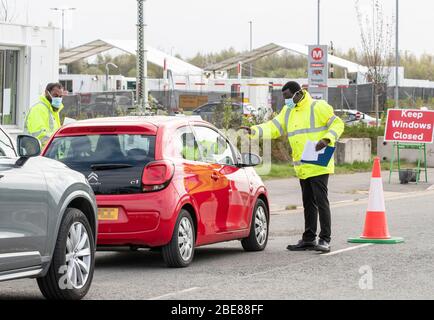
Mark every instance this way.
x=48 y=221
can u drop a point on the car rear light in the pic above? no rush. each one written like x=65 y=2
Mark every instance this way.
x=157 y=175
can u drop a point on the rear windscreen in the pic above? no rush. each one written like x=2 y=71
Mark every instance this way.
x=113 y=164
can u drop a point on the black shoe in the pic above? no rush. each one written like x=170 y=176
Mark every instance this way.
x=323 y=246
x=303 y=246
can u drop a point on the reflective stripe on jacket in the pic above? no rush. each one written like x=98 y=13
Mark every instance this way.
x=310 y=120
x=42 y=121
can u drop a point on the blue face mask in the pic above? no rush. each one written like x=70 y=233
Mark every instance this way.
x=56 y=102
x=290 y=102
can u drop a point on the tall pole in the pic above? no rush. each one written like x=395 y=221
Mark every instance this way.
x=62 y=10
x=63 y=29
x=319 y=23
x=251 y=47
x=142 y=58
x=397 y=57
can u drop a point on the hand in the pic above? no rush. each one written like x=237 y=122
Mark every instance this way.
x=248 y=129
x=322 y=144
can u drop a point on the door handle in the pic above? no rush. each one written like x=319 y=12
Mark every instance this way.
x=215 y=176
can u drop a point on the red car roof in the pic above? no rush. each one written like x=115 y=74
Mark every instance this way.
x=146 y=125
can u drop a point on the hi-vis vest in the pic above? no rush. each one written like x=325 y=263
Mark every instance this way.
x=310 y=120
x=42 y=121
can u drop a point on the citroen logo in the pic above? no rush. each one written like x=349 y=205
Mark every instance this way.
x=92 y=178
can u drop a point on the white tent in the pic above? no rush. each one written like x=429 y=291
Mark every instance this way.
x=157 y=57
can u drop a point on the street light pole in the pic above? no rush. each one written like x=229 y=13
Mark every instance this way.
x=107 y=72
x=62 y=10
x=397 y=57
x=251 y=47
x=142 y=58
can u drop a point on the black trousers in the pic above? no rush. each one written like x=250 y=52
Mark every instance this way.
x=315 y=201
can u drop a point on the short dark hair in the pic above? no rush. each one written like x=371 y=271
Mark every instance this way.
x=53 y=85
x=292 y=86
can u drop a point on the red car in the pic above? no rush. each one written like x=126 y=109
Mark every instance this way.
x=173 y=183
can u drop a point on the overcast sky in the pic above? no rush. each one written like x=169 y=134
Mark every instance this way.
x=189 y=26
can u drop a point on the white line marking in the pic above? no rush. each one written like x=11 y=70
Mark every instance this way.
x=347 y=249
x=168 y=295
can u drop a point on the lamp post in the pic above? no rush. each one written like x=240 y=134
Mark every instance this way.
x=107 y=71
x=397 y=57
x=251 y=46
x=62 y=10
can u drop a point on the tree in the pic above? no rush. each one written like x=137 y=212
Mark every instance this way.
x=376 y=38
x=7 y=13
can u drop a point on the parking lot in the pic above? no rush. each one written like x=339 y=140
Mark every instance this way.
x=225 y=271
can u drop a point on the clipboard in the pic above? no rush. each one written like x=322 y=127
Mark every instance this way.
x=323 y=159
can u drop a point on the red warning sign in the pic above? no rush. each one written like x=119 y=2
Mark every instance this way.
x=413 y=126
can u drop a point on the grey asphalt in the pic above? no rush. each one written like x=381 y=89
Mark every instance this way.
x=225 y=271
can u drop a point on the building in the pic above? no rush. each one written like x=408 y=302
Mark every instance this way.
x=29 y=59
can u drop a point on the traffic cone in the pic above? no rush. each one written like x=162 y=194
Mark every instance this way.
x=376 y=230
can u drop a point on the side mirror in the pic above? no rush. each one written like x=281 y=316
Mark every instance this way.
x=28 y=147
x=250 y=160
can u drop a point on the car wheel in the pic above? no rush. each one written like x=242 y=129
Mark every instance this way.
x=258 y=237
x=72 y=265
x=179 y=252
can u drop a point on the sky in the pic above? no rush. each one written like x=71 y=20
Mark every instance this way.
x=190 y=26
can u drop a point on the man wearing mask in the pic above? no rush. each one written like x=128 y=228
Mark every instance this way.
x=303 y=119
x=43 y=118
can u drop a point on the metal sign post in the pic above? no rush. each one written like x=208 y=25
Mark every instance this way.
x=318 y=72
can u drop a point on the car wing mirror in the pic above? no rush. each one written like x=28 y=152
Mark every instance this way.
x=250 y=160
x=28 y=147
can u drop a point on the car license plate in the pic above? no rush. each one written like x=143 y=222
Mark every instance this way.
x=108 y=214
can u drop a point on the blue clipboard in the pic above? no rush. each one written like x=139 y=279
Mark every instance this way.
x=323 y=159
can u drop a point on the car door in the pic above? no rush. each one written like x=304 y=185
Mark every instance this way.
x=230 y=186
x=196 y=177
x=23 y=210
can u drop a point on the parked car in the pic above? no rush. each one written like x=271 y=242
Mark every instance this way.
x=353 y=117
x=210 y=111
x=174 y=183
x=48 y=221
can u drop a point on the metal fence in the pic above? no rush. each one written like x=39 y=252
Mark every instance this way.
x=412 y=93
x=109 y=104
x=98 y=104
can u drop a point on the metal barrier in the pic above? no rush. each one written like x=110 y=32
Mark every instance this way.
x=98 y=104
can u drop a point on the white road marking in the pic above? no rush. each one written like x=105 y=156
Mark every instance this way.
x=347 y=249
x=168 y=295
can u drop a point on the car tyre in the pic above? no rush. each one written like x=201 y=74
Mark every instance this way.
x=258 y=236
x=179 y=253
x=56 y=284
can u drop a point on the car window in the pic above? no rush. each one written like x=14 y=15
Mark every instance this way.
x=183 y=145
x=214 y=147
x=112 y=163
x=208 y=108
x=6 y=148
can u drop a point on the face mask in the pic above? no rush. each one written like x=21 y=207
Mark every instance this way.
x=290 y=102
x=56 y=102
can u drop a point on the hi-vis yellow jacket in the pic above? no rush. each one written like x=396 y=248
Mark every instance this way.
x=42 y=120
x=310 y=120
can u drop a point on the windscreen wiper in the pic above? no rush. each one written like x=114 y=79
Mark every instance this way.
x=110 y=166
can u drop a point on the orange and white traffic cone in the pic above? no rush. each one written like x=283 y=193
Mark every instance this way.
x=376 y=230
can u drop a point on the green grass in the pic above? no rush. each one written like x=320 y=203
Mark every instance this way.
x=285 y=170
